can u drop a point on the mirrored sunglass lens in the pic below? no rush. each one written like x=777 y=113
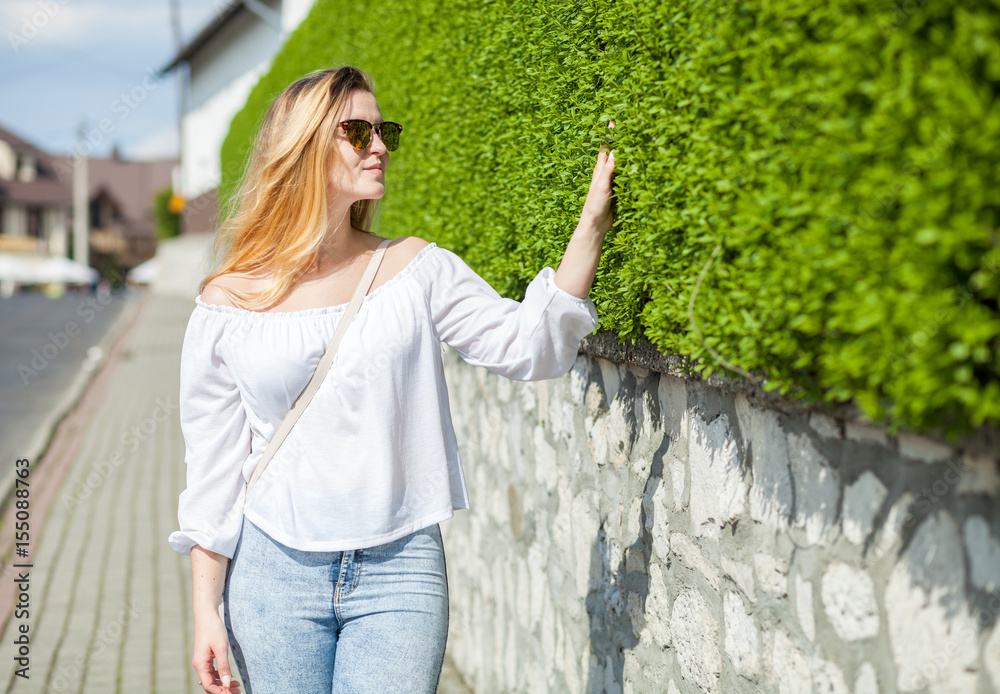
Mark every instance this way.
x=359 y=134
x=390 y=136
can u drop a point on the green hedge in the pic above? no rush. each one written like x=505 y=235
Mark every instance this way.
x=808 y=192
x=168 y=222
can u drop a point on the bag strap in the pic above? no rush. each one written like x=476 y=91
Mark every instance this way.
x=324 y=366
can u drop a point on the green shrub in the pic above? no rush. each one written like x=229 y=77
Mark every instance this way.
x=806 y=191
x=168 y=222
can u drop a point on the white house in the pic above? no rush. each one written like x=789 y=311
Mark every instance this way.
x=34 y=200
x=220 y=66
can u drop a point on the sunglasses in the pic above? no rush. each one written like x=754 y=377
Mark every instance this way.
x=359 y=133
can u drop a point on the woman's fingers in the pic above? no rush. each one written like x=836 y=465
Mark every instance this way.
x=216 y=680
x=211 y=644
x=222 y=660
x=207 y=679
x=597 y=206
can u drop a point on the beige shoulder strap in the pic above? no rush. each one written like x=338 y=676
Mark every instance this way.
x=324 y=366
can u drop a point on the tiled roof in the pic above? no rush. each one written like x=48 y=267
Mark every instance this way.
x=131 y=185
x=48 y=188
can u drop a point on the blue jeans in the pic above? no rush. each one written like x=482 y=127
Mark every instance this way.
x=369 y=620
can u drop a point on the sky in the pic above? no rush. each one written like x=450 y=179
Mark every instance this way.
x=63 y=62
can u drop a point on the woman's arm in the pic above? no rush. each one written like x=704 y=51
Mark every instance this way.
x=538 y=337
x=208 y=574
x=576 y=271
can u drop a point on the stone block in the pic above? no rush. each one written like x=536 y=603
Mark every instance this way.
x=933 y=639
x=980 y=475
x=804 y=606
x=742 y=644
x=562 y=422
x=630 y=512
x=991 y=656
x=546 y=624
x=922 y=448
x=516 y=512
x=579 y=377
x=889 y=536
x=678 y=475
x=772 y=574
x=695 y=635
x=744 y=414
x=610 y=377
x=546 y=465
x=866 y=433
x=595 y=401
x=788 y=666
x=537 y=587
x=655 y=671
x=522 y=594
x=611 y=683
x=718 y=492
x=742 y=575
x=817 y=490
x=867 y=681
x=632 y=672
x=983 y=551
x=690 y=553
x=827 y=678
x=619 y=429
x=862 y=501
x=646 y=406
x=657 y=609
x=824 y=425
x=771 y=492
x=528 y=397
x=848 y=596
x=585 y=527
x=657 y=517
x=672 y=394
x=572 y=664
x=635 y=614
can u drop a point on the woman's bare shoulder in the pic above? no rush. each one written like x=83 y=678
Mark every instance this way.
x=214 y=292
x=408 y=246
x=402 y=250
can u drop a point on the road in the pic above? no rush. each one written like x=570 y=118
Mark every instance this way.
x=43 y=346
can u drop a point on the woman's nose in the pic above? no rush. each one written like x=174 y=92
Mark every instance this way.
x=377 y=146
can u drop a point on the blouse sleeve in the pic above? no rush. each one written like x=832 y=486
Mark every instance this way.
x=530 y=340
x=217 y=441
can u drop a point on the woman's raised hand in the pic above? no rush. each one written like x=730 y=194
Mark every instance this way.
x=597 y=207
x=578 y=266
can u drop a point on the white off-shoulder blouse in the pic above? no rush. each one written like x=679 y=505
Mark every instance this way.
x=374 y=455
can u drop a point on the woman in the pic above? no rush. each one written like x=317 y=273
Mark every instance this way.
x=331 y=572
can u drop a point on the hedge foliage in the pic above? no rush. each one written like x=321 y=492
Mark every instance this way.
x=806 y=191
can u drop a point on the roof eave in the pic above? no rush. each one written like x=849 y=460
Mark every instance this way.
x=203 y=37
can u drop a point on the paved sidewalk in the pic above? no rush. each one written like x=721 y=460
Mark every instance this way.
x=108 y=597
x=109 y=600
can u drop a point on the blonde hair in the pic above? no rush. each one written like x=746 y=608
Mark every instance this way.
x=279 y=213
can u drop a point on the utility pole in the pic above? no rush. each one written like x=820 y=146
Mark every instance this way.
x=182 y=76
x=81 y=200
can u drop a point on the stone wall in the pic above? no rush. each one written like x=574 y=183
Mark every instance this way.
x=636 y=531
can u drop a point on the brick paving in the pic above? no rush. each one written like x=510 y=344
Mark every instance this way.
x=109 y=599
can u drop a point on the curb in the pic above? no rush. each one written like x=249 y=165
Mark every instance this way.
x=43 y=434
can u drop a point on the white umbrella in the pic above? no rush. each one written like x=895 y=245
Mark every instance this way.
x=14 y=269
x=59 y=269
x=144 y=273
